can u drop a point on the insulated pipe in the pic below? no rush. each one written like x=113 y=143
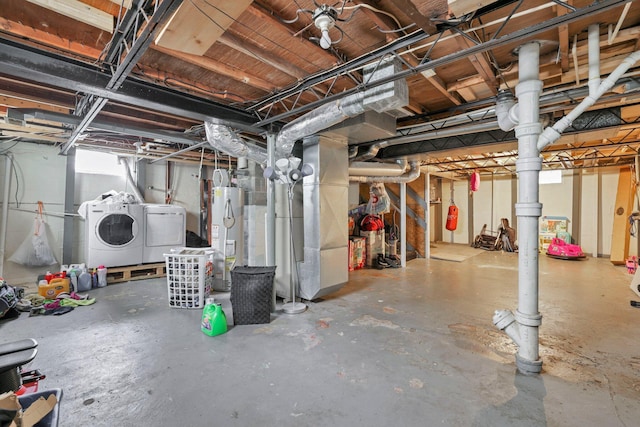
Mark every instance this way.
x=524 y=331
x=377 y=169
x=222 y=138
x=552 y=133
x=5 y=209
x=410 y=175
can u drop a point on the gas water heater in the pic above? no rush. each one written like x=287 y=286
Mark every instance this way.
x=227 y=236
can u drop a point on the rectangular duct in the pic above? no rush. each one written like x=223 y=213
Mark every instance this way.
x=326 y=235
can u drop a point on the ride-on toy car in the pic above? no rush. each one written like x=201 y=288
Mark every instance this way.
x=560 y=249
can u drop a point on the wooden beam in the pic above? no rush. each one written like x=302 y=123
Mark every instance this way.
x=465 y=83
x=410 y=9
x=621 y=213
x=80 y=12
x=563 y=37
x=198 y=24
x=219 y=67
x=385 y=23
x=259 y=12
x=250 y=49
x=481 y=64
x=463 y=7
x=125 y=3
x=20 y=102
x=30 y=33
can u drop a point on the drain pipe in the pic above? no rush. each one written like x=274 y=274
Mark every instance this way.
x=5 y=209
x=522 y=327
x=552 y=133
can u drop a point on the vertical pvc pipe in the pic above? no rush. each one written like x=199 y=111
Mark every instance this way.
x=5 y=209
x=403 y=224
x=594 y=58
x=528 y=208
x=270 y=220
x=427 y=216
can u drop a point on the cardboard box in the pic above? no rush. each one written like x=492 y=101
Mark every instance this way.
x=375 y=245
x=357 y=252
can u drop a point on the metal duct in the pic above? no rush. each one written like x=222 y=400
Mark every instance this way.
x=412 y=174
x=222 y=138
x=325 y=204
x=381 y=98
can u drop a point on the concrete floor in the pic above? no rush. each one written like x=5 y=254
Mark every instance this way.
x=405 y=347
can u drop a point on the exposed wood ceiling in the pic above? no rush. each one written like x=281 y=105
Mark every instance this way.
x=72 y=71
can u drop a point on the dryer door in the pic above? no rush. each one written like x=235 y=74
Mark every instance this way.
x=117 y=230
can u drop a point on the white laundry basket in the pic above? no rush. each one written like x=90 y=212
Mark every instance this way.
x=189 y=277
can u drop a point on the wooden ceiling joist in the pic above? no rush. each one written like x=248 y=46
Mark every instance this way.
x=184 y=32
x=80 y=12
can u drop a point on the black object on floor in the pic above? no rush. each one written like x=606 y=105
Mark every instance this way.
x=251 y=294
x=635 y=303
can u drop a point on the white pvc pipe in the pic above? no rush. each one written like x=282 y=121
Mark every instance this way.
x=552 y=133
x=5 y=210
x=594 y=58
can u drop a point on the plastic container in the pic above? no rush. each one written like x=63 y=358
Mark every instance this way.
x=84 y=282
x=214 y=321
x=56 y=286
x=102 y=276
x=189 y=277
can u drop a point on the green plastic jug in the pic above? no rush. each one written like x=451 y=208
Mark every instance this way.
x=214 y=321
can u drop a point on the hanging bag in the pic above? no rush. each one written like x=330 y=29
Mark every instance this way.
x=452 y=217
x=34 y=250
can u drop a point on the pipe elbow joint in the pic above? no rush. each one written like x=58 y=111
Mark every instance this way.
x=506 y=321
x=507 y=111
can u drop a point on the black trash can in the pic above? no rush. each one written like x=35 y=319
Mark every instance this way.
x=251 y=294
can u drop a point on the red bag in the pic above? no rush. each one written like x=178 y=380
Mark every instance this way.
x=452 y=218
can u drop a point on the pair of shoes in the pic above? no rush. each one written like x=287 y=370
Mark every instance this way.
x=392 y=262
x=382 y=262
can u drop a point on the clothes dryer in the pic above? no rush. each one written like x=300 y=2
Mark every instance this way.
x=164 y=229
x=114 y=234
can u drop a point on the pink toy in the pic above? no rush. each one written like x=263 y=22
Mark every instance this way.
x=632 y=264
x=563 y=250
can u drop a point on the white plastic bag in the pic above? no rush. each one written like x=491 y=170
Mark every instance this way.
x=34 y=250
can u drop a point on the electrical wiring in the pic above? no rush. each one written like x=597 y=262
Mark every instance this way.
x=284 y=48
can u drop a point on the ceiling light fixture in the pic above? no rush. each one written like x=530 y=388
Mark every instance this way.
x=324 y=18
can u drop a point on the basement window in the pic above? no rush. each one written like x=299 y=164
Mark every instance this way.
x=97 y=163
x=550 y=177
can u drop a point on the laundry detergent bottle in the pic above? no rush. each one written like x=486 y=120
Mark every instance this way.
x=214 y=321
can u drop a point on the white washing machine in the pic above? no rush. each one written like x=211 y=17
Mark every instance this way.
x=164 y=229
x=114 y=234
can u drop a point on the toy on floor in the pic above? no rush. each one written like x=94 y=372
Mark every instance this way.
x=560 y=249
x=632 y=264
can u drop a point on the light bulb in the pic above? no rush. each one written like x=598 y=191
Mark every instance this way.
x=325 y=40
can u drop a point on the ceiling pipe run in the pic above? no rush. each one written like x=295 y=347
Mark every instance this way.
x=410 y=175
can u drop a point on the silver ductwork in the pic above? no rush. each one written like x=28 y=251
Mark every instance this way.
x=387 y=97
x=325 y=204
x=224 y=139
